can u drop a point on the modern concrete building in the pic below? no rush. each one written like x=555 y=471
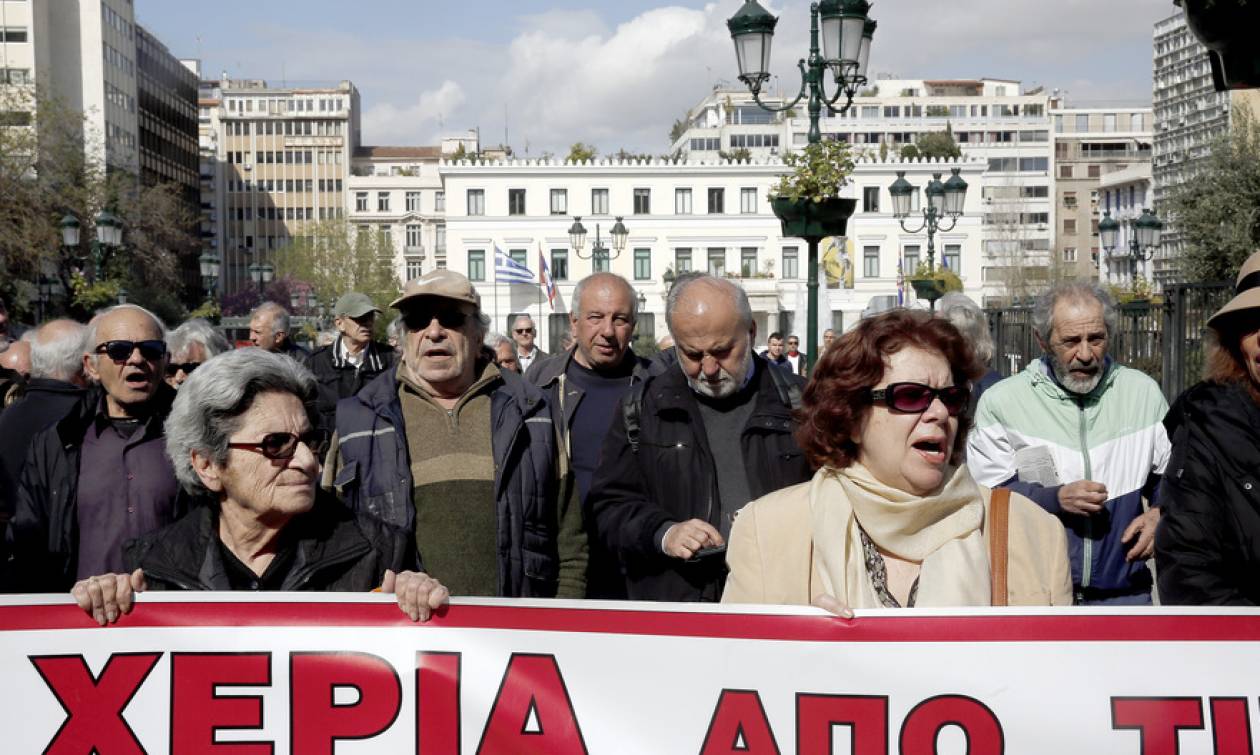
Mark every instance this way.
x=1089 y=144
x=992 y=120
x=83 y=52
x=279 y=158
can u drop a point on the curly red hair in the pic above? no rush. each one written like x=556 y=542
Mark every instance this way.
x=836 y=400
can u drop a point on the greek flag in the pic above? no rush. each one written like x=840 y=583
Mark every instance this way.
x=508 y=270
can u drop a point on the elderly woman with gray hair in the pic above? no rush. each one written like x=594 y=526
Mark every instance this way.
x=241 y=435
x=189 y=346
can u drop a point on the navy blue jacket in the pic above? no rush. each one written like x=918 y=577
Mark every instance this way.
x=374 y=475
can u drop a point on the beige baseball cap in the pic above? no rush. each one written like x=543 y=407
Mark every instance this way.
x=1246 y=290
x=447 y=284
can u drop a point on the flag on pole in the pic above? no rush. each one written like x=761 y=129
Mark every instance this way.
x=544 y=277
x=901 y=286
x=508 y=270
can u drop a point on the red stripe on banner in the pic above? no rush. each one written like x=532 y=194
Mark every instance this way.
x=908 y=628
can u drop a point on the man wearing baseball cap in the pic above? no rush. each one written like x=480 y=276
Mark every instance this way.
x=347 y=364
x=463 y=454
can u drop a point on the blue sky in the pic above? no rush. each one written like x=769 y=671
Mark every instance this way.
x=616 y=73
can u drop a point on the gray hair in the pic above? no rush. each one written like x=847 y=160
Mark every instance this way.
x=1043 y=308
x=580 y=288
x=199 y=331
x=520 y=317
x=210 y=405
x=970 y=320
x=58 y=356
x=737 y=295
x=494 y=339
x=90 y=342
x=278 y=314
x=396 y=330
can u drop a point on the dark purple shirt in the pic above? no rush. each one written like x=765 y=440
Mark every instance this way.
x=127 y=488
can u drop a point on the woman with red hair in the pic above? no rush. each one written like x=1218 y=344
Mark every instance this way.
x=892 y=518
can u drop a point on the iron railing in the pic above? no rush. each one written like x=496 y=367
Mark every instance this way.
x=1164 y=340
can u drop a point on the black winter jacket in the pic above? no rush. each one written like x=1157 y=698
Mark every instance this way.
x=335 y=551
x=673 y=478
x=1207 y=546
x=44 y=533
x=337 y=379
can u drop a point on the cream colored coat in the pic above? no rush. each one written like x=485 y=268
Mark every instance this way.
x=771 y=553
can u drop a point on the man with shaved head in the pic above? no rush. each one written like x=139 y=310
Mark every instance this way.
x=694 y=444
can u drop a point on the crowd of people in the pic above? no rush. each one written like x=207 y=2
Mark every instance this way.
x=899 y=471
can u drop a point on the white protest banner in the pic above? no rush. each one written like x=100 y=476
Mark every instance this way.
x=282 y=673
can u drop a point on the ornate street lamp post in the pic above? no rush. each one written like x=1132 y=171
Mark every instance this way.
x=846 y=34
x=261 y=274
x=1144 y=237
x=108 y=238
x=944 y=207
x=209 y=273
x=577 y=239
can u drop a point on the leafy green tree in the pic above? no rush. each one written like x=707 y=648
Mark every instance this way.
x=581 y=151
x=677 y=130
x=739 y=153
x=938 y=145
x=335 y=257
x=1218 y=213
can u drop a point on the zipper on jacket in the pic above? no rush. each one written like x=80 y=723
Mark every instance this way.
x=1087 y=543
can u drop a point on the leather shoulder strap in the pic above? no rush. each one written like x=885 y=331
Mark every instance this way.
x=999 y=523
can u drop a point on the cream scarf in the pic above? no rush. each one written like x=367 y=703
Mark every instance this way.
x=942 y=531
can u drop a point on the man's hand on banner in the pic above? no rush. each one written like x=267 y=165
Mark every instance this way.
x=685 y=539
x=419 y=595
x=829 y=603
x=108 y=596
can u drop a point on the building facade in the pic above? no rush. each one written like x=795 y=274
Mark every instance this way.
x=709 y=215
x=1125 y=193
x=274 y=161
x=1089 y=144
x=992 y=120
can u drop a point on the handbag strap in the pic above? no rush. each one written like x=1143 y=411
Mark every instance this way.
x=999 y=519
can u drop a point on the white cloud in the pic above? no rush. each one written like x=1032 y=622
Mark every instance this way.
x=390 y=124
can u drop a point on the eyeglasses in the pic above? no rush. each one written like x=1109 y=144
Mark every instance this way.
x=284 y=445
x=523 y=331
x=173 y=369
x=451 y=318
x=913 y=398
x=120 y=351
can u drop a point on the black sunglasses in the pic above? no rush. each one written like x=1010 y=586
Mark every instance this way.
x=284 y=445
x=173 y=369
x=120 y=351
x=912 y=398
x=451 y=318
x=523 y=331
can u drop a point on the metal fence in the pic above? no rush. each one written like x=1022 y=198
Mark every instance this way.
x=1164 y=340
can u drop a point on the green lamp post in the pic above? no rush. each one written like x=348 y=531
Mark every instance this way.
x=845 y=32
x=108 y=238
x=944 y=206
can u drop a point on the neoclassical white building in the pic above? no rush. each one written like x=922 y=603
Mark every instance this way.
x=706 y=215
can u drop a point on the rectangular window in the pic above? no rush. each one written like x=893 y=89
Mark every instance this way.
x=439 y=239
x=642 y=264
x=382 y=201
x=748 y=262
x=642 y=201
x=1082 y=123
x=748 y=201
x=516 y=201
x=1094 y=171
x=791 y=262
x=717 y=201
x=1069 y=200
x=413 y=201
x=386 y=238
x=1065 y=171
x=717 y=261
x=682 y=260
x=560 y=264
x=952 y=258
x=439 y=201
x=910 y=259
x=477 y=265
x=870 y=199
x=1069 y=226
x=559 y=201
x=415 y=268
x=414 y=236
x=360 y=201
x=1109 y=122
x=518 y=256
x=599 y=262
x=870 y=262
x=682 y=201
x=477 y=206
x=1033 y=164
x=1069 y=254
x=599 y=201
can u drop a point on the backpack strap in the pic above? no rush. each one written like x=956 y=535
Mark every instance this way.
x=631 y=408
x=999 y=535
x=789 y=390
